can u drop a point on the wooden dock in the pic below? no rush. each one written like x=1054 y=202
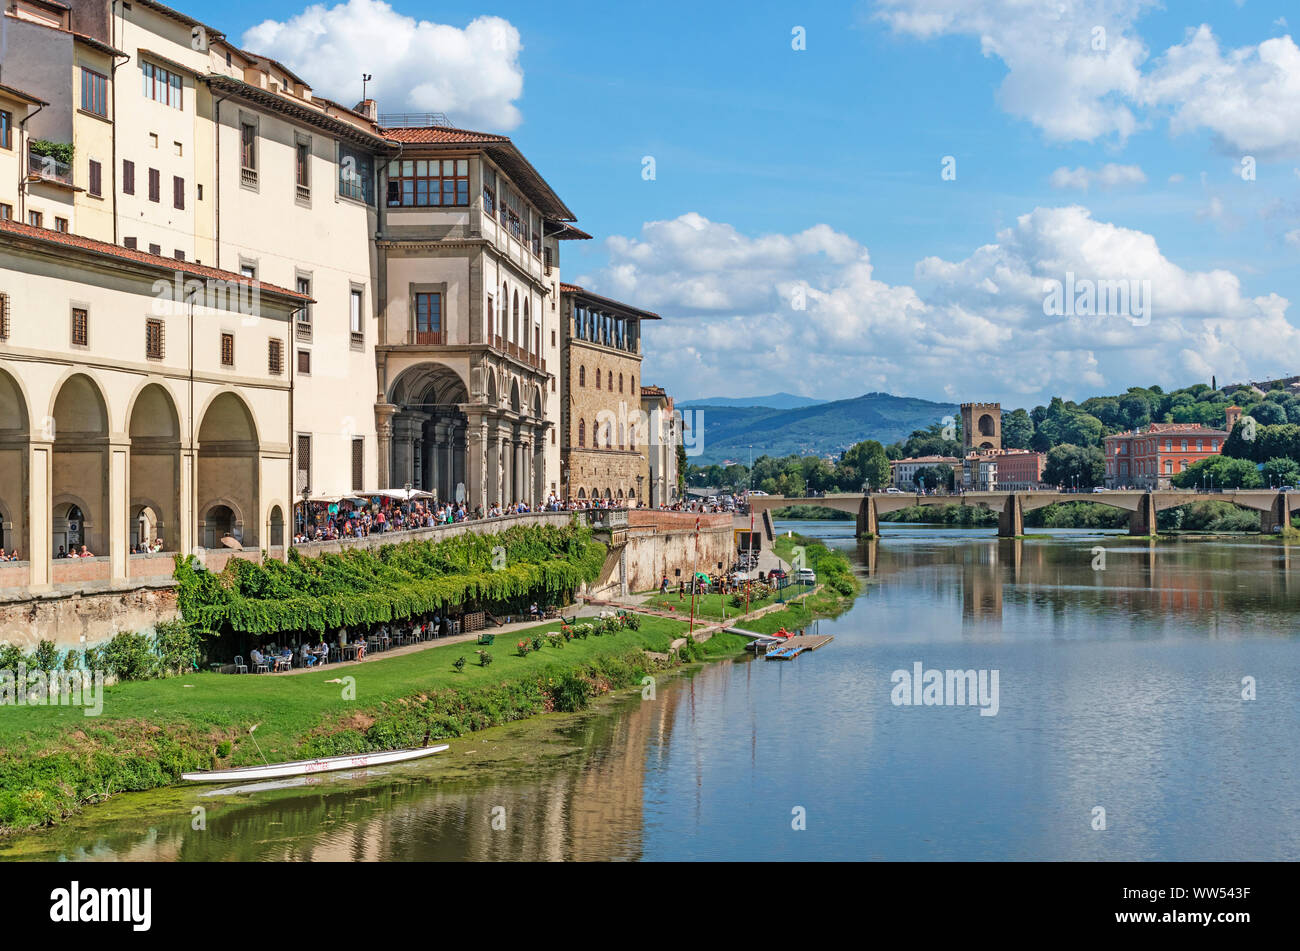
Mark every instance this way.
x=792 y=647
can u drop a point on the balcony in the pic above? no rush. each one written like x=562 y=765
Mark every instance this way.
x=429 y=338
x=48 y=168
x=248 y=177
x=304 y=194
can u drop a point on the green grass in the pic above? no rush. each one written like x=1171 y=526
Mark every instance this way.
x=55 y=759
x=282 y=704
x=709 y=605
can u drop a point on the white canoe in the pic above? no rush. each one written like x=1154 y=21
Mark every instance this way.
x=306 y=767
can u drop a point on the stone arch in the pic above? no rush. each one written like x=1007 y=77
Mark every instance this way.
x=514 y=325
x=276 y=526
x=153 y=425
x=80 y=424
x=987 y=425
x=228 y=475
x=493 y=395
x=15 y=430
x=582 y=493
x=429 y=428
x=516 y=405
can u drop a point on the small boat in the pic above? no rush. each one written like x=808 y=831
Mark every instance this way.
x=307 y=767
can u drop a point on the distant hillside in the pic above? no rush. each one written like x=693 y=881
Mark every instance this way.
x=822 y=429
x=775 y=401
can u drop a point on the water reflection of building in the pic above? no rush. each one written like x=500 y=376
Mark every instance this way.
x=981 y=584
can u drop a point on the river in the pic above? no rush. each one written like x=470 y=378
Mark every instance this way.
x=1122 y=667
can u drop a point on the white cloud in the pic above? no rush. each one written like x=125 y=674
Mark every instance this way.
x=972 y=326
x=473 y=75
x=1072 y=65
x=1108 y=176
x=1248 y=97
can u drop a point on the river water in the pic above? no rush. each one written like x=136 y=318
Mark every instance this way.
x=1122 y=672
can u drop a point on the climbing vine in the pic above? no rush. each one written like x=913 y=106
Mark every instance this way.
x=397 y=581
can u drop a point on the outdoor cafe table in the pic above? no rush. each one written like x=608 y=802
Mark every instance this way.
x=349 y=651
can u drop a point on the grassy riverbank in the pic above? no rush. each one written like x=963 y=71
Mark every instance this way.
x=54 y=760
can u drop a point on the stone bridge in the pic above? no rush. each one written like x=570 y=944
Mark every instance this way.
x=1275 y=508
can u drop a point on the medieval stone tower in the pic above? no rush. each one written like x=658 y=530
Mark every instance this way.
x=981 y=426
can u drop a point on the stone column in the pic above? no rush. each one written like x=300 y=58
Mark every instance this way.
x=539 y=464
x=40 y=502
x=384 y=438
x=492 y=467
x=475 y=461
x=119 y=507
x=186 y=515
x=441 y=459
x=524 y=455
x=458 y=449
x=405 y=432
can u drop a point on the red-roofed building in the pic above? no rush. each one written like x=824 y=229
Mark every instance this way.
x=1149 y=458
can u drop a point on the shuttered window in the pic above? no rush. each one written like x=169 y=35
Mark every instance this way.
x=153 y=339
x=227 y=350
x=80 y=327
x=358 y=464
x=178 y=192
x=96 y=179
x=155 y=185
x=304 y=362
x=304 y=462
x=128 y=177
x=275 y=357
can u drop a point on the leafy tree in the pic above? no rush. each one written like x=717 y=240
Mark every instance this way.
x=869 y=460
x=1281 y=471
x=1067 y=464
x=934 y=477
x=1220 y=472
x=1268 y=414
x=1017 y=430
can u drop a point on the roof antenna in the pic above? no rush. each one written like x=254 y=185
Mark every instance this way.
x=365 y=78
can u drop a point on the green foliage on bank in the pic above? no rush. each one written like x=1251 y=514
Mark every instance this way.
x=398 y=581
x=833 y=568
x=54 y=759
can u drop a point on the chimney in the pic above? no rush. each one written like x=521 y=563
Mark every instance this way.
x=367 y=108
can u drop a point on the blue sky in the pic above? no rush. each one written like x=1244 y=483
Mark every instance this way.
x=755 y=143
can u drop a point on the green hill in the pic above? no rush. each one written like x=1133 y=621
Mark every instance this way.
x=823 y=429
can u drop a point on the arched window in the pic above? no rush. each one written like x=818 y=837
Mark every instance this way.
x=622 y=437
x=620 y=383
x=582 y=433
x=527 y=324
x=582 y=376
x=505 y=307
x=514 y=338
x=595 y=434
x=597 y=377
x=609 y=435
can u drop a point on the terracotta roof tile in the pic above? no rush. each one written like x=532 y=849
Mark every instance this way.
x=439 y=135
x=69 y=240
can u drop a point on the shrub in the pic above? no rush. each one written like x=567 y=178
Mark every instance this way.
x=523 y=647
x=537 y=642
x=633 y=621
x=177 y=647
x=127 y=657
x=484 y=658
x=571 y=693
x=459 y=664
x=45 y=657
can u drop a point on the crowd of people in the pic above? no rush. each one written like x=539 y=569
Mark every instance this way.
x=12 y=556
x=74 y=552
x=331 y=521
x=146 y=548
